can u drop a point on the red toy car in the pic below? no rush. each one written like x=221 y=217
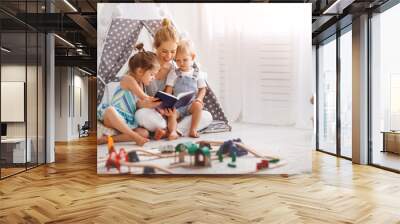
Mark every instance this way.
x=263 y=164
x=114 y=159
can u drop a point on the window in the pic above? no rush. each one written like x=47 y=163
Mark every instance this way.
x=385 y=89
x=346 y=93
x=395 y=102
x=327 y=96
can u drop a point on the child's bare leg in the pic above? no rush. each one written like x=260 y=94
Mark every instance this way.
x=195 y=110
x=120 y=138
x=111 y=119
x=123 y=137
x=142 y=132
x=159 y=134
x=172 y=123
x=102 y=140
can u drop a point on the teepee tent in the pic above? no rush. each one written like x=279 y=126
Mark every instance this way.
x=120 y=40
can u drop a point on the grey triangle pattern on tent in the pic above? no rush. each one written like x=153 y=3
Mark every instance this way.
x=122 y=35
x=220 y=122
x=212 y=105
x=100 y=91
x=152 y=25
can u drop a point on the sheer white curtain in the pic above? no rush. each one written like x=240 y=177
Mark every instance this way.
x=216 y=34
x=227 y=72
x=259 y=61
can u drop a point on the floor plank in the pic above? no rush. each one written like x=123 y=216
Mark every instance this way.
x=70 y=191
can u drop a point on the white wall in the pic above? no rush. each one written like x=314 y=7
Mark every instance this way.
x=61 y=83
x=79 y=117
x=67 y=114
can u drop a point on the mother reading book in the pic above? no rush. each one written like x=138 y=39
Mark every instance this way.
x=165 y=44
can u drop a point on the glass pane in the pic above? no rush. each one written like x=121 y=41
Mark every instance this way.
x=22 y=81
x=327 y=96
x=386 y=89
x=14 y=6
x=32 y=96
x=346 y=93
x=32 y=7
x=41 y=98
x=13 y=85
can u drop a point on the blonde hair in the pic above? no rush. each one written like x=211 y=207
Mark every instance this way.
x=185 y=46
x=145 y=60
x=165 y=33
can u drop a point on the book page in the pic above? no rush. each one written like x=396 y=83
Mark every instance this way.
x=180 y=95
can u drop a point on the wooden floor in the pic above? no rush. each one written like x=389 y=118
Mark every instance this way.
x=10 y=171
x=70 y=191
x=387 y=159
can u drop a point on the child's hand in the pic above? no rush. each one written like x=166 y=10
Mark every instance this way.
x=166 y=111
x=153 y=103
x=161 y=111
x=169 y=112
x=141 y=141
x=199 y=101
x=145 y=97
x=151 y=98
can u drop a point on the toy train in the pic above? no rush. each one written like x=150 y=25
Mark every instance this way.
x=265 y=163
x=115 y=159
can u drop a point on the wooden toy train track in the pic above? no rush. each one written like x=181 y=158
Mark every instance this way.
x=199 y=153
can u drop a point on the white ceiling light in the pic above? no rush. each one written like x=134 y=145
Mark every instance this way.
x=5 y=50
x=338 y=6
x=70 y=5
x=84 y=71
x=65 y=41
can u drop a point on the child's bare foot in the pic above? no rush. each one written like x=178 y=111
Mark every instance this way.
x=159 y=134
x=194 y=134
x=102 y=140
x=141 y=141
x=173 y=135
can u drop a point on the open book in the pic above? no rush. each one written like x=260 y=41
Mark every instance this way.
x=171 y=101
